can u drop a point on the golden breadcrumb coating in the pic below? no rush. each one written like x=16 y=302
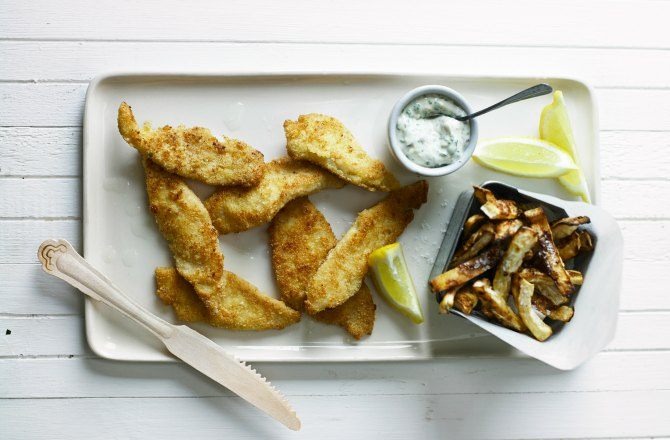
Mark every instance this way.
x=184 y=222
x=229 y=300
x=341 y=274
x=193 y=152
x=300 y=239
x=356 y=315
x=325 y=141
x=237 y=209
x=238 y=304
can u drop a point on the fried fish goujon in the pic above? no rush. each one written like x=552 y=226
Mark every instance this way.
x=229 y=301
x=341 y=274
x=238 y=209
x=241 y=305
x=325 y=141
x=193 y=152
x=300 y=239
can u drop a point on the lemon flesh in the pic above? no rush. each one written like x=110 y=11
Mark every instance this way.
x=555 y=127
x=393 y=281
x=527 y=157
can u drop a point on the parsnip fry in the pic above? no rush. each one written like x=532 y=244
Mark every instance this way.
x=569 y=247
x=473 y=245
x=466 y=300
x=472 y=223
x=566 y=226
x=468 y=270
x=547 y=287
x=548 y=252
x=507 y=228
x=585 y=241
x=494 y=208
x=497 y=306
x=522 y=242
x=562 y=313
x=522 y=291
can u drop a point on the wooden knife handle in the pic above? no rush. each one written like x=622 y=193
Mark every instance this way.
x=59 y=259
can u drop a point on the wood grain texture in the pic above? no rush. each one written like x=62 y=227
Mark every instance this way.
x=61 y=198
x=369 y=22
x=41 y=198
x=21 y=238
x=56 y=152
x=47 y=54
x=62 y=104
x=63 y=335
x=25 y=289
x=30 y=151
x=497 y=416
x=83 y=60
x=72 y=378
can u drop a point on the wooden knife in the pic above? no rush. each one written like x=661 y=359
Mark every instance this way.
x=59 y=259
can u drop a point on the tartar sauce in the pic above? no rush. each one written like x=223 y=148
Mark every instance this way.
x=432 y=142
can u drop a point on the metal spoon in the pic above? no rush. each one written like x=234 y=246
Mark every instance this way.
x=531 y=92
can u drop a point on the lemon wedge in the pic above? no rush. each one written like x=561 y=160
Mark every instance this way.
x=527 y=157
x=393 y=281
x=555 y=127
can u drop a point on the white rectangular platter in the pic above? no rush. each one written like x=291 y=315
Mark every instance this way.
x=120 y=237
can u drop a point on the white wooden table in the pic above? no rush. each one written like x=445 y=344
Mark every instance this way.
x=52 y=386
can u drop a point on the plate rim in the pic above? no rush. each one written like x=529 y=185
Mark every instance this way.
x=187 y=75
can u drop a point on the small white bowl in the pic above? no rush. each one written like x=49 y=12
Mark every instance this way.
x=396 y=148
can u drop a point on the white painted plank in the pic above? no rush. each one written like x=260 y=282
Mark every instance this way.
x=642 y=331
x=515 y=416
x=645 y=267
x=29 y=151
x=644 y=285
x=63 y=335
x=377 y=21
x=48 y=151
x=40 y=198
x=92 y=377
x=55 y=104
x=634 y=199
x=46 y=335
x=42 y=104
x=21 y=238
x=68 y=60
x=26 y=289
x=61 y=197
x=646 y=240
x=624 y=109
x=635 y=154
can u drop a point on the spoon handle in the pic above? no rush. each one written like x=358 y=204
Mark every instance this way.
x=531 y=92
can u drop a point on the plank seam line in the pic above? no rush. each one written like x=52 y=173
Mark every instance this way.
x=41 y=218
x=38 y=176
x=39 y=315
x=323 y=43
x=228 y=396
x=26 y=316
x=86 y=81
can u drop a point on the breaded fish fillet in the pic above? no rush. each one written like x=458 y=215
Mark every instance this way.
x=325 y=141
x=341 y=274
x=184 y=222
x=241 y=305
x=193 y=152
x=238 y=209
x=300 y=239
